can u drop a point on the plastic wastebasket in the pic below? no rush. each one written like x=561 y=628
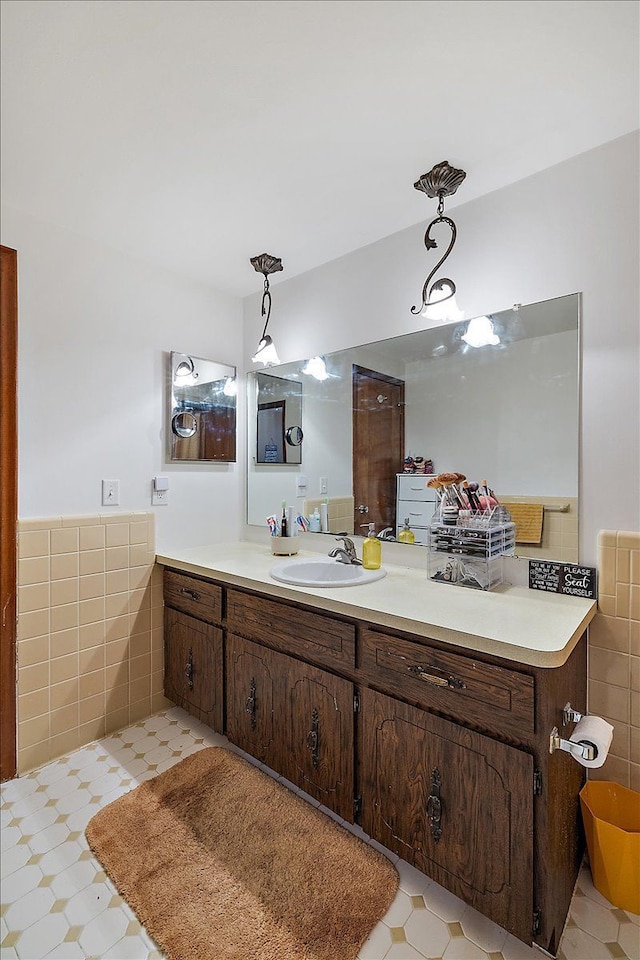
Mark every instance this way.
x=611 y=816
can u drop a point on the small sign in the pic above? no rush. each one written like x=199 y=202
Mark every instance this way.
x=568 y=578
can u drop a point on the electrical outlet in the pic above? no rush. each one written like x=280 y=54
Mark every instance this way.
x=324 y=485
x=110 y=493
x=301 y=484
x=160 y=492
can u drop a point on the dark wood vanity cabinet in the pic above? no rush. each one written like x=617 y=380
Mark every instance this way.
x=439 y=753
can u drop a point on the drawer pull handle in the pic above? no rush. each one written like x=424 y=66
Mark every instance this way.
x=452 y=682
x=313 y=739
x=188 y=671
x=434 y=806
x=190 y=593
x=250 y=705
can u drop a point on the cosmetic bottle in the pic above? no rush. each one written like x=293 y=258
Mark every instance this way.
x=372 y=550
x=324 y=516
x=314 y=522
x=406 y=535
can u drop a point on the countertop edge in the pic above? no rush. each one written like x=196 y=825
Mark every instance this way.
x=511 y=653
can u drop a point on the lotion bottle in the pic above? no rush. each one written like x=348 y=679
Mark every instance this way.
x=324 y=516
x=372 y=550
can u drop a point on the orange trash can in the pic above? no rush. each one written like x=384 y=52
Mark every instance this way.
x=611 y=817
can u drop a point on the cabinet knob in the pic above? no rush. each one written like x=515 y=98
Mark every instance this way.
x=190 y=593
x=313 y=739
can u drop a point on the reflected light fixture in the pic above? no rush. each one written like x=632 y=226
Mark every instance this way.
x=266 y=352
x=185 y=373
x=230 y=388
x=480 y=333
x=316 y=367
x=439 y=297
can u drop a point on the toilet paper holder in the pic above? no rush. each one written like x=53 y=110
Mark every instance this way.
x=584 y=749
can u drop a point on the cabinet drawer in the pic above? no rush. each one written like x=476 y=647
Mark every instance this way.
x=198 y=597
x=419 y=514
x=314 y=637
x=414 y=487
x=499 y=699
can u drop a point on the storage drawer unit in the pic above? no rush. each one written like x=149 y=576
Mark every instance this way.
x=415 y=500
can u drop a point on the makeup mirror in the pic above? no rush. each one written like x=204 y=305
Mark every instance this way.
x=202 y=409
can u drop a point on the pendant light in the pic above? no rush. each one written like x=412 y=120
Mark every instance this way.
x=266 y=352
x=439 y=298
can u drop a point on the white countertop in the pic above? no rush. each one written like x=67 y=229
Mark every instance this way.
x=521 y=625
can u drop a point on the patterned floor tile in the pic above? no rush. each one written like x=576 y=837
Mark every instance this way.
x=58 y=903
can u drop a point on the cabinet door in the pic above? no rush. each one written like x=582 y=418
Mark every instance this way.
x=193 y=666
x=319 y=721
x=456 y=804
x=251 y=694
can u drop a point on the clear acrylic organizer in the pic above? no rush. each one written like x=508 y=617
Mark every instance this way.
x=467 y=549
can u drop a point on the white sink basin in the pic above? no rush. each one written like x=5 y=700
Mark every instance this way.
x=324 y=573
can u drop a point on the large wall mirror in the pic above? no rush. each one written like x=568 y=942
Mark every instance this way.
x=202 y=409
x=507 y=411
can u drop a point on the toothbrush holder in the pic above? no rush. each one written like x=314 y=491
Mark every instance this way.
x=284 y=546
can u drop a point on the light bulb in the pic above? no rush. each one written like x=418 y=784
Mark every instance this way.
x=480 y=333
x=266 y=353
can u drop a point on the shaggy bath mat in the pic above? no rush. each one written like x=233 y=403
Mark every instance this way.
x=220 y=862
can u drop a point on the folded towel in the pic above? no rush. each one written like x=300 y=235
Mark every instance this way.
x=528 y=519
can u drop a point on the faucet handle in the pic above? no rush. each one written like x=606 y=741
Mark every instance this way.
x=349 y=545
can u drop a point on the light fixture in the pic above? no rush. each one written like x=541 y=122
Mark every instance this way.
x=316 y=367
x=439 y=298
x=480 y=333
x=185 y=373
x=266 y=352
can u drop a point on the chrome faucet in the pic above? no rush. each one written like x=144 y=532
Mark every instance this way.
x=346 y=554
x=386 y=534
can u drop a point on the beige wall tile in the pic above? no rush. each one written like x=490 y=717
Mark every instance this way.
x=33 y=651
x=139 y=689
x=140 y=645
x=140 y=555
x=157 y=575
x=634 y=602
x=116 y=605
x=91 y=587
x=116 y=651
x=117 y=697
x=117 y=558
x=64 y=617
x=157 y=638
x=623 y=566
x=64 y=668
x=634 y=744
x=609 y=632
x=64 y=743
x=64 y=694
x=117 y=535
x=30 y=758
x=607 y=605
x=635 y=708
x=33 y=678
x=116 y=720
x=117 y=676
x=140 y=667
x=33 y=596
x=39 y=523
x=93 y=537
x=622 y=599
x=157 y=661
x=635 y=567
x=138 y=599
x=634 y=776
x=140 y=577
x=64 y=719
x=33 y=543
x=91 y=684
x=613 y=769
x=92 y=634
x=140 y=710
x=608 y=538
x=64 y=591
x=33 y=731
x=117 y=581
x=33 y=570
x=64 y=642
x=138 y=532
x=64 y=566
x=157 y=683
x=620 y=742
x=90 y=660
x=628 y=540
x=607 y=570
x=33 y=624
x=160 y=702
x=64 y=540
x=609 y=701
x=92 y=561
x=92 y=730
x=140 y=622
x=634 y=638
x=117 y=628
x=91 y=709
x=32 y=705
x=608 y=666
x=81 y=520
x=157 y=619
x=91 y=610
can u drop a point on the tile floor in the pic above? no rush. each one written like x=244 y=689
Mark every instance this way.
x=57 y=901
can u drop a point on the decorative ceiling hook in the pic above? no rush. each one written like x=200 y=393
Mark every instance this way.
x=266 y=265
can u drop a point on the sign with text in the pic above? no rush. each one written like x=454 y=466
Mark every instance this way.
x=568 y=578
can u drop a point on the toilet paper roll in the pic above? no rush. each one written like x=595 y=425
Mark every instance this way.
x=592 y=730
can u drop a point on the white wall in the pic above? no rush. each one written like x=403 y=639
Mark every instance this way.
x=572 y=228
x=94 y=329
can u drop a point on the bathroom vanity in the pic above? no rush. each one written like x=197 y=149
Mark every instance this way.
x=421 y=712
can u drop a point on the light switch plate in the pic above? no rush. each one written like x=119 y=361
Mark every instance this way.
x=110 y=493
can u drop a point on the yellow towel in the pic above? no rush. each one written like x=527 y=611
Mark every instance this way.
x=528 y=519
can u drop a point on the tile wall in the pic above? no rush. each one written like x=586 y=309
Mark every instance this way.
x=340 y=513
x=90 y=638
x=614 y=654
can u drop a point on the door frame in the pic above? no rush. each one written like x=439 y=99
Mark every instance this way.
x=8 y=508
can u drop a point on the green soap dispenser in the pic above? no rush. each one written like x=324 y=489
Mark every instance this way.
x=406 y=535
x=372 y=550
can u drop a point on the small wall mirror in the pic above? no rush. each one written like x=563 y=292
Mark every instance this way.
x=279 y=433
x=202 y=409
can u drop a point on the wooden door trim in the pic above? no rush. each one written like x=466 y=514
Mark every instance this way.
x=8 y=507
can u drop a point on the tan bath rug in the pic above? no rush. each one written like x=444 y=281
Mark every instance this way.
x=220 y=862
